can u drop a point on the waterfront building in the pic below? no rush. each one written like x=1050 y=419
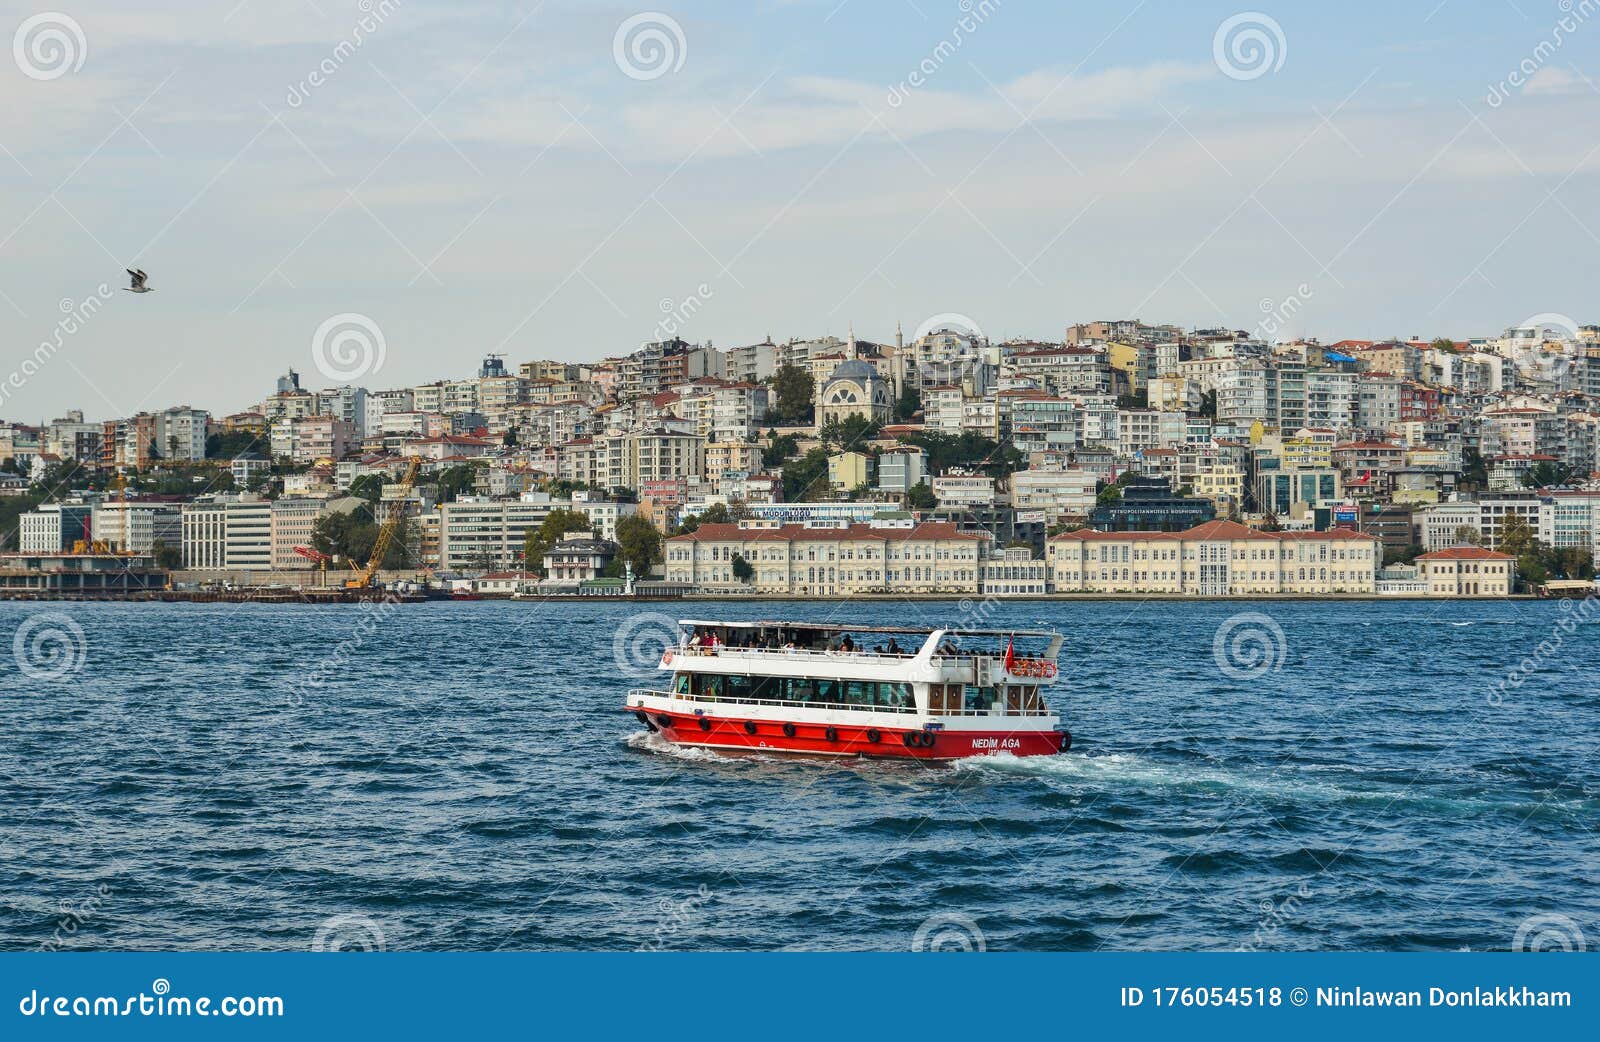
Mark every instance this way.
x=898 y=556
x=1014 y=572
x=1149 y=504
x=135 y=527
x=54 y=527
x=228 y=533
x=578 y=557
x=1215 y=559
x=1467 y=571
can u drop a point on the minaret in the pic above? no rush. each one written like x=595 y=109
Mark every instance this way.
x=853 y=352
x=899 y=337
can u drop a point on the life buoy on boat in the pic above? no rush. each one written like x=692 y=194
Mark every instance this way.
x=666 y=657
x=1049 y=669
x=789 y=730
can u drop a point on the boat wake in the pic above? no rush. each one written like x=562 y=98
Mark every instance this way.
x=1114 y=772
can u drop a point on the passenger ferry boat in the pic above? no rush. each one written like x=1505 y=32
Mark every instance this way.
x=872 y=691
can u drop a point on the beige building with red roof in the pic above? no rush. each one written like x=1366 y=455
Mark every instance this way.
x=836 y=561
x=1216 y=559
x=1467 y=571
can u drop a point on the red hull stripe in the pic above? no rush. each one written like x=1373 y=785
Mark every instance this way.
x=847 y=739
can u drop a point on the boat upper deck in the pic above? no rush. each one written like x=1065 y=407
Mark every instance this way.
x=934 y=655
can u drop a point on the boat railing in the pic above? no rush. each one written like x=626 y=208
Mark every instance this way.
x=723 y=651
x=997 y=710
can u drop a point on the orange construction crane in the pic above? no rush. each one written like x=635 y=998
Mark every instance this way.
x=380 y=547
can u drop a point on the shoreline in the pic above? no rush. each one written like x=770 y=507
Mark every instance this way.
x=335 y=596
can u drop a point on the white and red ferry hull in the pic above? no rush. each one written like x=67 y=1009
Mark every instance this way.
x=846 y=739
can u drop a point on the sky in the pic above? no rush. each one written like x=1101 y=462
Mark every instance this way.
x=383 y=192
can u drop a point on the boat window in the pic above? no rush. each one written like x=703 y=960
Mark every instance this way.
x=979 y=699
x=828 y=691
x=681 y=683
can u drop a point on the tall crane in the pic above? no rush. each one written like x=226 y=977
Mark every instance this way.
x=380 y=546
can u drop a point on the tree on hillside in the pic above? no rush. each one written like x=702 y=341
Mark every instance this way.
x=742 y=569
x=793 y=388
x=1467 y=535
x=780 y=450
x=849 y=433
x=368 y=487
x=921 y=497
x=1547 y=473
x=715 y=514
x=1443 y=343
x=639 y=543
x=539 y=540
x=910 y=400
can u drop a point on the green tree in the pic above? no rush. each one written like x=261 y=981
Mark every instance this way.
x=742 y=569
x=1518 y=539
x=793 y=387
x=850 y=432
x=801 y=475
x=1271 y=523
x=1547 y=473
x=1467 y=535
x=232 y=444
x=909 y=402
x=168 y=557
x=1443 y=343
x=539 y=540
x=779 y=450
x=921 y=497
x=1401 y=554
x=453 y=481
x=368 y=487
x=639 y=543
x=1474 y=469
x=715 y=514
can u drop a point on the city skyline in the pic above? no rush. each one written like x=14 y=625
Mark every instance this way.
x=548 y=192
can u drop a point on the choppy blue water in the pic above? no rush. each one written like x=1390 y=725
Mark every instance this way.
x=462 y=779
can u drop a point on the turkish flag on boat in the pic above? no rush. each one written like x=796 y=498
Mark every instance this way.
x=1010 y=654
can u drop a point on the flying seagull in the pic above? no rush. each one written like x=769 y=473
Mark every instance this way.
x=138 y=282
